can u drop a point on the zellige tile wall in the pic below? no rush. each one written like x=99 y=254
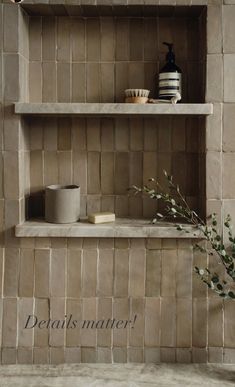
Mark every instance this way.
x=178 y=320
x=94 y=60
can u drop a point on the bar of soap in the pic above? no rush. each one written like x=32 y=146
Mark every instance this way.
x=101 y=217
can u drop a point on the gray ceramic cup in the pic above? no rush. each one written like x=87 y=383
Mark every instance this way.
x=62 y=203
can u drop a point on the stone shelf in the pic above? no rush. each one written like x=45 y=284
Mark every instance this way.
x=121 y=228
x=112 y=109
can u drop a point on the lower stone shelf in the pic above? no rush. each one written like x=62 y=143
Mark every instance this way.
x=121 y=228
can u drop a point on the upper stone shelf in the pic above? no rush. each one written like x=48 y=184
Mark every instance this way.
x=113 y=109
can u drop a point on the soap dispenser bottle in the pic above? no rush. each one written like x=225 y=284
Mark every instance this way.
x=170 y=81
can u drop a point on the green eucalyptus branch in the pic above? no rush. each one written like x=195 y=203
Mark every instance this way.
x=178 y=209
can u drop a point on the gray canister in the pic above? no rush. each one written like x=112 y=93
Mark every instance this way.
x=62 y=203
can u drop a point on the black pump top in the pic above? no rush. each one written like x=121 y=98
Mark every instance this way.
x=170 y=56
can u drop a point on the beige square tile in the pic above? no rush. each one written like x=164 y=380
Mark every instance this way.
x=74 y=273
x=107 y=134
x=9 y=356
x=107 y=172
x=9 y=331
x=214 y=127
x=80 y=170
x=183 y=355
x=149 y=166
x=107 y=71
x=36 y=81
x=10 y=26
x=228 y=29
x=152 y=322
x=136 y=330
x=121 y=272
x=228 y=121
x=121 y=206
x=214 y=23
x=42 y=309
x=121 y=173
x=93 y=182
x=104 y=355
x=65 y=167
x=184 y=273
x=168 y=325
x=214 y=90
x=120 y=312
x=200 y=322
x=63 y=39
x=167 y=355
x=42 y=267
x=136 y=134
x=229 y=79
x=121 y=134
x=78 y=82
x=93 y=40
x=93 y=134
x=73 y=355
x=88 y=335
x=50 y=134
x=215 y=323
x=135 y=355
x=184 y=323
x=199 y=355
x=136 y=75
x=168 y=283
x=41 y=355
x=25 y=355
x=36 y=171
x=57 y=312
x=78 y=39
x=11 y=269
x=106 y=243
x=63 y=82
x=88 y=355
x=50 y=168
x=104 y=312
x=153 y=273
x=152 y=355
x=35 y=38
x=105 y=273
x=89 y=273
x=48 y=82
x=79 y=134
x=56 y=355
x=36 y=133
x=228 y=177
x=199 y=288
x=150 y=134
x=25 y=309
x=119 y=355
x=93 y=82
x=213 y=184
x=137 y=262
x=11 y=76
x=122 y=81
x=154 y=244
x=73 y=311
x=150 y=29
x=26 y=273
x=48 y=38
x=58 y=265
x=107 y=26
x=122 y=35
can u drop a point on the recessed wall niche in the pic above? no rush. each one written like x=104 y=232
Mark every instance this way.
x=94 y=59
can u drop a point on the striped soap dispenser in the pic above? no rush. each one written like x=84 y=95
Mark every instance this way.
x=170 y=76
